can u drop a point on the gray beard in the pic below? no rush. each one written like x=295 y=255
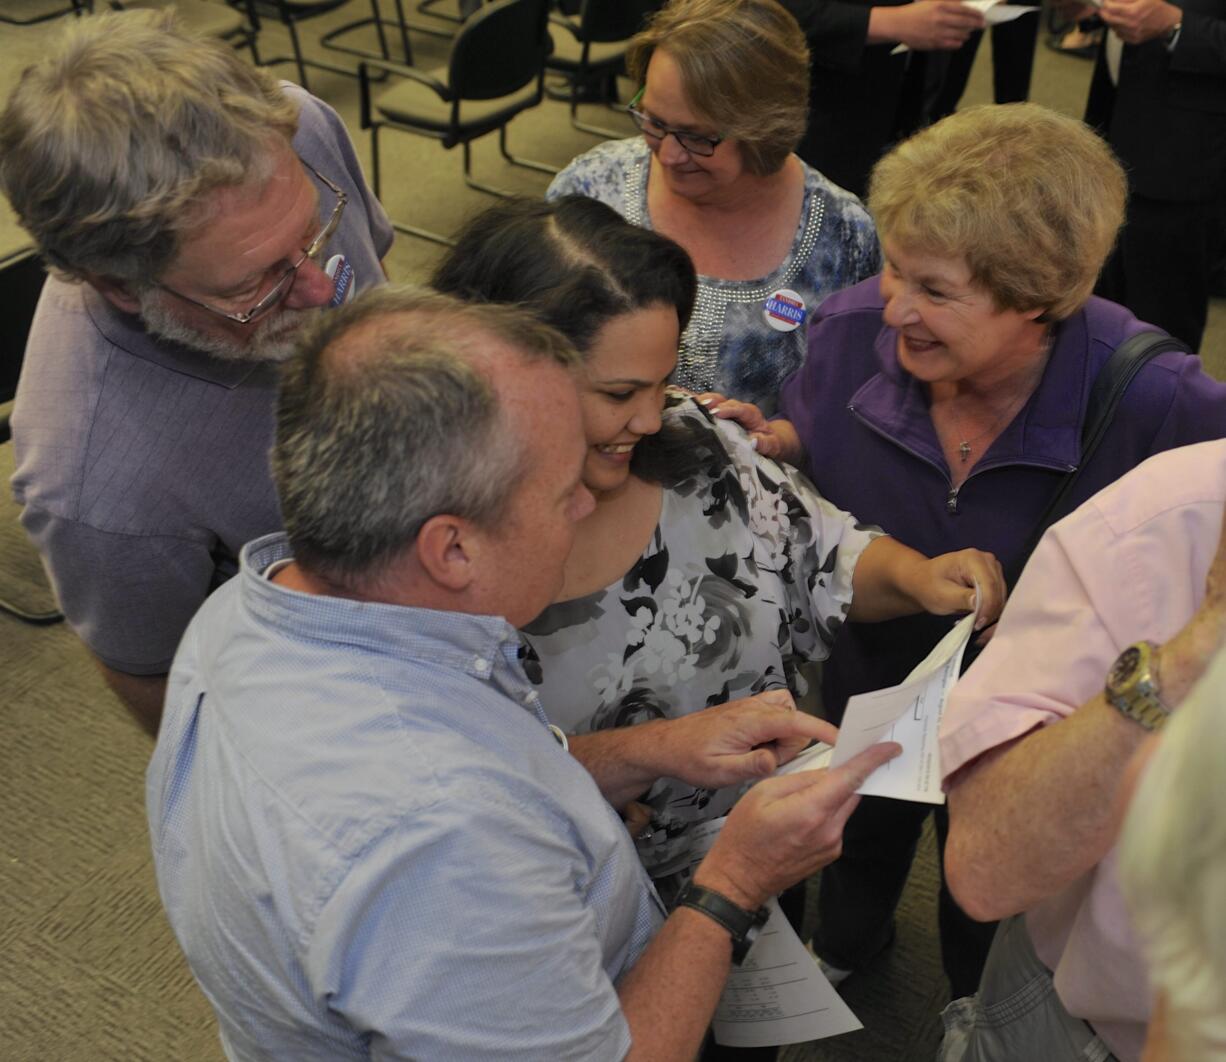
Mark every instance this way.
x=274 y=338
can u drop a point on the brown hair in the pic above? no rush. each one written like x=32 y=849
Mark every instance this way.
x=744 y=65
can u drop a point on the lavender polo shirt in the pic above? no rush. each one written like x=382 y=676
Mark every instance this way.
x=141 y=466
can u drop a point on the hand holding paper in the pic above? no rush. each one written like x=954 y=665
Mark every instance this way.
x=910 y=714
x=950 y=34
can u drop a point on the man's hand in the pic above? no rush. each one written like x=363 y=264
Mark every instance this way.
x=1138 y=21
x=785 y=829
x=772 y=438
x=925 y=25
x=714 y=747
x=737 y=742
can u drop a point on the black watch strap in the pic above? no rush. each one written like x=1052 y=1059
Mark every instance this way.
x=743 y=926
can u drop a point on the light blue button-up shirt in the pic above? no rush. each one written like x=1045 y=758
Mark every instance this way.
x=370 y=846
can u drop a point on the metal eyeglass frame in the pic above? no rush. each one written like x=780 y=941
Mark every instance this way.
x=691 y=143
x=286 y=281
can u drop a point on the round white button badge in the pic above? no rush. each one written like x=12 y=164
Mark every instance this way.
x=784 y=310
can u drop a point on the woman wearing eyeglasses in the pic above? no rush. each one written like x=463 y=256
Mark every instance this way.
x=723 y=103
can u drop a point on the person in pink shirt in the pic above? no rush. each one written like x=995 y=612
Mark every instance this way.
x=1119 y=611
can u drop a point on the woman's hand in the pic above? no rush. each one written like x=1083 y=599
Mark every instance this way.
x=893 y=580
x=949 y=583
x=772 y=438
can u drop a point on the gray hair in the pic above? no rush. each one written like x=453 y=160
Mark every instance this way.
x=110 y=143
x=1172 y=867
x=387 y=417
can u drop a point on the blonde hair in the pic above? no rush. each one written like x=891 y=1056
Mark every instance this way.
x=744 y=66
x=108 y=145
x=1031 y=199
x=1172 y=868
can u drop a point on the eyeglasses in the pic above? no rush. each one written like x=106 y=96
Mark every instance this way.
x=653 y=129
x=286 y=280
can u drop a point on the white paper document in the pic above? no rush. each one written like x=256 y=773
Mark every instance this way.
x=993 y=11
x=779 y=994
x=909 y=713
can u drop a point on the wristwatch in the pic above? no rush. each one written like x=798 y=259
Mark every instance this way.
x=744 y=926
x=1132 y=686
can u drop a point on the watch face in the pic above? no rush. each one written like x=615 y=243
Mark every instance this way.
x=1124 y=667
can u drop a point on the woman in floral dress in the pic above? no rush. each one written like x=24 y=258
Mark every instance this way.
x=705 y=573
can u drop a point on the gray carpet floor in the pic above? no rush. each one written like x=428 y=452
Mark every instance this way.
x=88 y=968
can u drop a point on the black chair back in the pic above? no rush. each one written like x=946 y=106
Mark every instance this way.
x=499 y=50
x=21 y=280
x=605 y=21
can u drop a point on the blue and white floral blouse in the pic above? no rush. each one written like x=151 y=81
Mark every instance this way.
x=747 y=575
x=746 y=336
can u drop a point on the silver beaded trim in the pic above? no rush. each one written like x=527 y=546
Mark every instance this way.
x=700 y=343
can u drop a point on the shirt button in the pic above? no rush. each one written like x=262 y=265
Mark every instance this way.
x=480 y=665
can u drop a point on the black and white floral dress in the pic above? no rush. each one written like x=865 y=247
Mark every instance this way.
x=747 y=575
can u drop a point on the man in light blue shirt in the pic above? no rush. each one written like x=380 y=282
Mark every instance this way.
x=368 y=841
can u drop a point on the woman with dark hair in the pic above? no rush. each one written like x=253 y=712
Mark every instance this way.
x=705 y=573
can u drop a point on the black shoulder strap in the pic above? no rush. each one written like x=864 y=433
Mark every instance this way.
x=1109 y=386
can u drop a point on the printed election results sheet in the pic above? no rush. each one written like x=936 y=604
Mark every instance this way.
x=778 y=995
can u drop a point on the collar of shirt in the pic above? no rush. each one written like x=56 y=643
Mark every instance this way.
x=1045 y=432
x=487 y=648
x=127 y=332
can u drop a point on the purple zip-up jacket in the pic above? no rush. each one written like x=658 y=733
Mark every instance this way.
x=872 y=450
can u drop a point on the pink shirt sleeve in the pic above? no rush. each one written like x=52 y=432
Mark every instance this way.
x=1127 y=565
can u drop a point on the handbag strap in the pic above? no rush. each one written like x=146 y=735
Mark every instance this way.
x=1109 y=386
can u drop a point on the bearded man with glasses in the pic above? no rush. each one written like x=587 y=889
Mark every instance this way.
x=196 y=214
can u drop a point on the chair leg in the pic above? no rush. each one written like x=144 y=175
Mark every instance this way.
x=585 y=127
x=476 y=185
x=293 y=36
x=422 y=234
x=600 y=131
x=515 y=160
x=374 y=8
x=376 y=183
x=35 y=619
x=374 y=161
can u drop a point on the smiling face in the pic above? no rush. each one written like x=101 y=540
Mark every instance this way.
x=235 y=258
x=622 y=395
x=950 y=329
x=690 y=176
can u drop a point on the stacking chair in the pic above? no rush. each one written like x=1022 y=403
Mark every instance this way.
x=238 y=26
x=22 y=276
x=591 y=46
x=496 y=70
x=76 y=7
x=290 y=12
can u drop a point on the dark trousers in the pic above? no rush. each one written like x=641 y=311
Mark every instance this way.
x=1162 y=265
x=1012 y=61
x=859 y=893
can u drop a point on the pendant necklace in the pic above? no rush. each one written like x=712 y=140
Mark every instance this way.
x=964 y=447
